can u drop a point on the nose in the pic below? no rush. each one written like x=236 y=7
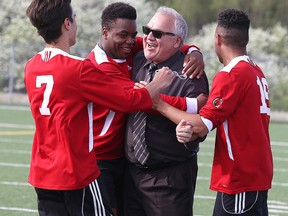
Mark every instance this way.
x=150 y=36
x=130 y=40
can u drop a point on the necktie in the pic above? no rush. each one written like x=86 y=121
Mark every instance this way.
x=139 y=124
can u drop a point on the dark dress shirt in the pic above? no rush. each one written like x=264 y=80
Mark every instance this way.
x=160 y=132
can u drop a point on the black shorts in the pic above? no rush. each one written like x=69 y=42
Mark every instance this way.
x=244 y=204
x=111 y=180
x=87 y=201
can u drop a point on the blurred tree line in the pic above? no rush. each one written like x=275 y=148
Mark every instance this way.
x=268 y=36
x=264 y=13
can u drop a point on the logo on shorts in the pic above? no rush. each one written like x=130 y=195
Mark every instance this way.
x=217 y=102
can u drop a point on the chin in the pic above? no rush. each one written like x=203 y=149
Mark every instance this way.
x=149 y=57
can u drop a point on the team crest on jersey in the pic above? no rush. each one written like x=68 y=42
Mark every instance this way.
x=217 y=102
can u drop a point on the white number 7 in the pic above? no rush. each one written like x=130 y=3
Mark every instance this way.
x=48 y=80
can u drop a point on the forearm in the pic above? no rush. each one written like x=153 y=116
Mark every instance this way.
x=175 y=115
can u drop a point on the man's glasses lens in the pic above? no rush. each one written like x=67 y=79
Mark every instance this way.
x=156 y=33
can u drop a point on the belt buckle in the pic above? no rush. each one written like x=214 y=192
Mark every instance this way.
x=140 y=166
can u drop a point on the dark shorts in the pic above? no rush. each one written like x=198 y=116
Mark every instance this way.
x=111 y=180
x=244 y=204
x=87 y=201
x=161 y=191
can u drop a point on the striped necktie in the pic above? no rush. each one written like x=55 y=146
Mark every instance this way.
x=139 y=124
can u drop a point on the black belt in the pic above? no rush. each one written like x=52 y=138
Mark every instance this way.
x=155 y=167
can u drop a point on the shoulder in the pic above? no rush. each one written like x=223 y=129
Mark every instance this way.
x=98 y=56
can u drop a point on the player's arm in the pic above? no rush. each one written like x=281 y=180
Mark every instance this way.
x=199 y=127
x=104 y=90
x=187 y=104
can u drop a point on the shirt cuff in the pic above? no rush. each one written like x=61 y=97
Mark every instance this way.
x=192 y=105
x=192 y=49
x=208 y=123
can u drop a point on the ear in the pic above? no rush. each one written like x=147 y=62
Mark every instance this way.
x=104 y=33
x=178 y=42
x=218 y=39
x=67 y=24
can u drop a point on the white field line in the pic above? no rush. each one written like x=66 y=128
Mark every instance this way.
x=17 y=165
x=22 y=108
x=280 y=159
x=21 y=152
x=15 y=183
x=20 y=126
x=15 y=141
x=17 y=209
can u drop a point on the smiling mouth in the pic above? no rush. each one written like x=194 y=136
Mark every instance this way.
x=151 y=45
x=127 y=49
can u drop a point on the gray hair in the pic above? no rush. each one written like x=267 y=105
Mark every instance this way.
x=180 y=25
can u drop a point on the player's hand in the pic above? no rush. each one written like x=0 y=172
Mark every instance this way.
x=140 y=85
x=193 y=65
x=184 y=131
x=163 y=77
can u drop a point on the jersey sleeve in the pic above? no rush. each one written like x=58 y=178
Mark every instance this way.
x=224 y=97
x=105 y=91
x=185 y=48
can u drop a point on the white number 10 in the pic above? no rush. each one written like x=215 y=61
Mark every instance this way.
x=263 y=86
x=48 y=80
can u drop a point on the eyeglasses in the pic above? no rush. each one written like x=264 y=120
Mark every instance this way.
x=156 y=33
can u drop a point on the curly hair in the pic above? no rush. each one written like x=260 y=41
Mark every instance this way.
x=117 y=10
x=236 y=27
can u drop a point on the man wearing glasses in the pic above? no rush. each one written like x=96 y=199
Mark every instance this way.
x=113 y=55
x=161 y=174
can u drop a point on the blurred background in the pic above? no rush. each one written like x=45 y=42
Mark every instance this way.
x=19 y=42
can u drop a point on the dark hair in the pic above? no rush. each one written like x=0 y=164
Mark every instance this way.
x=117 y=10
x=48 y=16
x=236 y=24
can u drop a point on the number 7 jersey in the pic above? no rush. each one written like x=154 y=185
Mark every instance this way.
x=238 y=106
x=61 y=89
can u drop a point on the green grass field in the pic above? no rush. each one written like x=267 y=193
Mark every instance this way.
x=17 y=197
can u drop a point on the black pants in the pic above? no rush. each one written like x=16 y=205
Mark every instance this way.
x=165 y=192
x=245 y=204
x=87 y=201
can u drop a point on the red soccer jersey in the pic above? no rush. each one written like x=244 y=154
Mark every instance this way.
x=238 y=106
x=109 y=126
x=61 y=88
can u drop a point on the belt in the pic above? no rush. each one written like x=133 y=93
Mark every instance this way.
x=159 y=166
x=155 y=167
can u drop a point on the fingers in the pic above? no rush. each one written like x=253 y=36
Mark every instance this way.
x=193 y=65
x=141 y=84
x=164 y=77
x=184 y=131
